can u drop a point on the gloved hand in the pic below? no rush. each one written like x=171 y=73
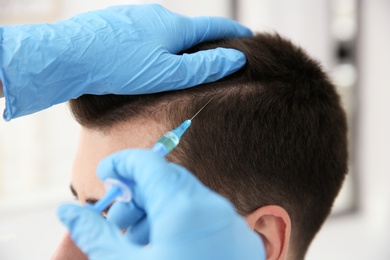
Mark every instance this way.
x=119 y=50
x=186 y=219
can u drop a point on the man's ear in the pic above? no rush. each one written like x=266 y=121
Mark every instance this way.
x=274 y=225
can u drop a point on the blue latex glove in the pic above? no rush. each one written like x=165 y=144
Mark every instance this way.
x=119 y=50
x=186 y=219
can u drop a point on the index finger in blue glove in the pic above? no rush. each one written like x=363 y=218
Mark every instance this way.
x=204 y=66
x=211 y=28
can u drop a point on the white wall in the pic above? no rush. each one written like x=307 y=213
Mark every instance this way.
x=366 y=235
x=39 y=149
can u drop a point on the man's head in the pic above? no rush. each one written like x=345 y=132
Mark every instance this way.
x=272 y=140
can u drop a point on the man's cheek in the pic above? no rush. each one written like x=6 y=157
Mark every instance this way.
x=68 y=250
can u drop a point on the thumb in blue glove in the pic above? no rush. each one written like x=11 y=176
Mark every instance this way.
x=119 y=50
x=186 y=219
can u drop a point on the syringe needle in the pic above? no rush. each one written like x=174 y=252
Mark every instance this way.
x=200 y=109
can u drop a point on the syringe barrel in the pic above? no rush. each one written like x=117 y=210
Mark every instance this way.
x=166 y=144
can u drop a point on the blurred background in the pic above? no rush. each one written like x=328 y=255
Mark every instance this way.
x=351 y=38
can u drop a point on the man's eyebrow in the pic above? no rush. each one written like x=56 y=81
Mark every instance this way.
x=73 y=191
x=89 y=200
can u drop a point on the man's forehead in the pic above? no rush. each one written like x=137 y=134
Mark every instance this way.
x=96 y=144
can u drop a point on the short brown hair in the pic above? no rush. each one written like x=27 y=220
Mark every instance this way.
x=273 y=134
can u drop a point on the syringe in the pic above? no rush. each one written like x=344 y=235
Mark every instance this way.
x=120 y=189
x=170 y=139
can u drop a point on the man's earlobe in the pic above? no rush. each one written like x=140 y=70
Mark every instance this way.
x=274 y=226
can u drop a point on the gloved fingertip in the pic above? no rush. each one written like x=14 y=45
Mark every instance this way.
x=105 y=167
x=139 y=233
x=246 y=32
x=124 y=215
x=212 y=28
x=226 y=60
x=235 y=58
x=67 y=212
